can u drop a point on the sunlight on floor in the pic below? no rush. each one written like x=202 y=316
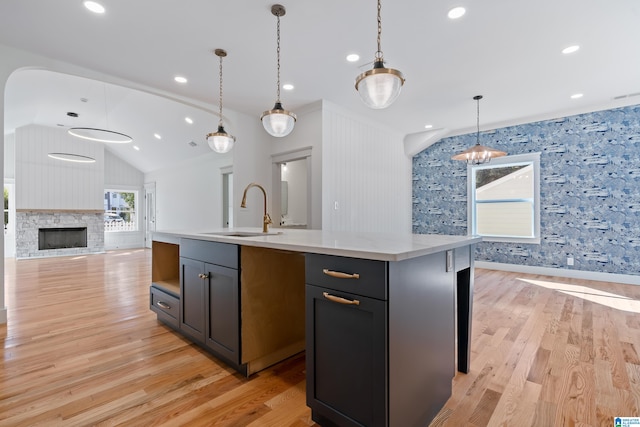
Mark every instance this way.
x=608 y=299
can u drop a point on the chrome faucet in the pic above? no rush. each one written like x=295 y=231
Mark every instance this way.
x=266 y=220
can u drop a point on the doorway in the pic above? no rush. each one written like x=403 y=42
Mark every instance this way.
x=150 y=212
x=227 y=198
x=291 y=186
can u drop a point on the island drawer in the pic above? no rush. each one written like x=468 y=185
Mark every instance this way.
x=224 y=254
x=353 y=275
x=165 y=305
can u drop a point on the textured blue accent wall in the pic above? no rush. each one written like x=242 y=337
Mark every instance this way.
x=589 y=191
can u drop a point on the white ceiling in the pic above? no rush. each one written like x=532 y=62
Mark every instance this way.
x=508 y=51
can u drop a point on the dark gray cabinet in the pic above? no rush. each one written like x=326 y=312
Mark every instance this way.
x=165 y=305
x=209 y=297
x=347 y=381
x=380 y=339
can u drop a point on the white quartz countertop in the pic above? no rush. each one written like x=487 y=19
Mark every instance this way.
x=377 y=246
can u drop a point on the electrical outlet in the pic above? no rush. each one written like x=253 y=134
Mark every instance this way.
x=570 y=260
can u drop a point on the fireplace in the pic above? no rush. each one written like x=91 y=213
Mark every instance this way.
x=70 y=232
x=62 y=238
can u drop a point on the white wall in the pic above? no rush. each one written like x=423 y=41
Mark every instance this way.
x=307 y=133
x=295 y=176
x=120 y=175
x=10 y=156
x=189 y=194
x=49 y=184
x=366 y=175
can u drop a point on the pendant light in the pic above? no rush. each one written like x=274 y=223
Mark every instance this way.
x=478 y=154
x=278 y=122
x=99 y=134
x=220 y=141
x=380 y=86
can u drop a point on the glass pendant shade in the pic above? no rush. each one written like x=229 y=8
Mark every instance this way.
x=220 y=141
x=278 y=122
x=379 y=87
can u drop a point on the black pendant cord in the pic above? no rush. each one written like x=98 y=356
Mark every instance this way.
x=220 y=92
x=278 y=55
x=379 y=52
x=478 y=98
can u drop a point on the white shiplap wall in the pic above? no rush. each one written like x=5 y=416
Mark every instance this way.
x=118 y=173
x=364 y=171
x=48 y=184
x=10 y=156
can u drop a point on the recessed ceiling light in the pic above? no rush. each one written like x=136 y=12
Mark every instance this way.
x=287 y=86
x=135 y=147
x=94 y=7
x=157 y=136
x=188 y=120
x=576 y=96
x=180 y=79
x=353 y=57
x=428 y=126
x=456 y=12
x=570 y=49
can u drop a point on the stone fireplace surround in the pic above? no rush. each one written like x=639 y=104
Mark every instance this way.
x=28 y=223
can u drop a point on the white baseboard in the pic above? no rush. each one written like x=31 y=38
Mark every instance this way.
x=3 y=316
x=561 y=272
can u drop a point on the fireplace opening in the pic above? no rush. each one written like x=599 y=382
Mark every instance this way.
x=62 y=238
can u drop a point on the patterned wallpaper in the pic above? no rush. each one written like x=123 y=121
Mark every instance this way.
x=589 y=191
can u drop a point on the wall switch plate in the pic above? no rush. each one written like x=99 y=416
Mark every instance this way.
x=569 y=260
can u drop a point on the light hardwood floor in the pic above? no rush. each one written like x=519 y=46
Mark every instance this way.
x=82 y=348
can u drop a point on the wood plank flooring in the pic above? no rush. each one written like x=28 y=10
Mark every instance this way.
x=82 y=348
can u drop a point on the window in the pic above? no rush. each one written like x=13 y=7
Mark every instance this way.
x=120 y=210
x=504 y=199
x=6 y=207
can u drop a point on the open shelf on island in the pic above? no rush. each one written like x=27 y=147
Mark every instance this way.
x=165 y=270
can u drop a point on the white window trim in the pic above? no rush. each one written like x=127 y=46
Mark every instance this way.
x=500 y=161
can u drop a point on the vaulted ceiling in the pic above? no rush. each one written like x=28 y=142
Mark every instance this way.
x=508 y=51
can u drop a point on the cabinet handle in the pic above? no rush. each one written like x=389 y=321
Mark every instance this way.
x=340 y=300
x=340 y=275
x=203 y=276
x=163 y=305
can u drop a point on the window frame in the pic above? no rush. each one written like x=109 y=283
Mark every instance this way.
x=136 y=210
x=514 y=160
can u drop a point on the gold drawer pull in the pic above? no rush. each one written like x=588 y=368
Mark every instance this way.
x=163 y=305
x=340 y=275
x=340 y=300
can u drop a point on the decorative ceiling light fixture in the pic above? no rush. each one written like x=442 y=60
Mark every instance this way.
x=69 y=157
x=220 y=141
x=97 y=134
x=380 y=86
x=100 y=135
x=478 y=154
x=278 y=122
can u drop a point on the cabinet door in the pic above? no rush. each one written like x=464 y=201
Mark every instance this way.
x=223 y=319
x=346 y=358
x=192 y=298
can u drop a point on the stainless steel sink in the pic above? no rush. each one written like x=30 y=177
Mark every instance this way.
x=243 y=233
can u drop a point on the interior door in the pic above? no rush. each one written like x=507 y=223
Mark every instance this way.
x=150 y=212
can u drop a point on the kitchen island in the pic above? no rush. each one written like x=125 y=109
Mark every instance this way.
x=376 y=313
